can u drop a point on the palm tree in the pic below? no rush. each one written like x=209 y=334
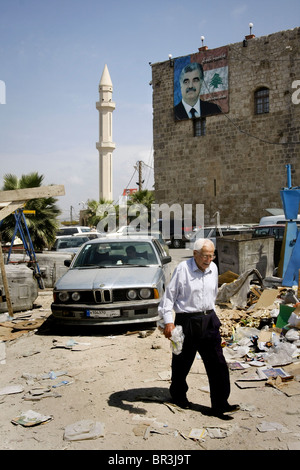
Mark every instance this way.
x=97 y=211
x=44 y=223
x=145 y=198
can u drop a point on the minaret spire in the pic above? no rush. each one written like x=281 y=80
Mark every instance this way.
x=105 y=146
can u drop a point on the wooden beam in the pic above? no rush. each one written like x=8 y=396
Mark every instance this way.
x=10 y=208
x=26 y=194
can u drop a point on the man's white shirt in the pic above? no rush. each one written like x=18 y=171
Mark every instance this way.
x=196 y=108
x=190 y=290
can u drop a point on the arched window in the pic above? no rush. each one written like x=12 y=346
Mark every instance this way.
x=261 y=100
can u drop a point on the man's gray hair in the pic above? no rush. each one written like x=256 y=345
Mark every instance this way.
x=201 y=242
x=190 y=68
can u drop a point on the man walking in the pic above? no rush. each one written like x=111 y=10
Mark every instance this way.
x=191 y=294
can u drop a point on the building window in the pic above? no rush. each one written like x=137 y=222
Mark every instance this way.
x=199 y=127
x=261 y=101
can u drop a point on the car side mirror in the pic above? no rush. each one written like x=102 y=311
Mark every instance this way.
x=67 y=263
x=166 y=259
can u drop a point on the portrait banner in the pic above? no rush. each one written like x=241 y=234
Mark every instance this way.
x=201 y=84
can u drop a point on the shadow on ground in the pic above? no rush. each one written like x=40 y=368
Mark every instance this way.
x=50 y=326
x=131 y=400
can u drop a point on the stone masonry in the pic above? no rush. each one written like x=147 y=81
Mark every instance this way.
x=239 y=166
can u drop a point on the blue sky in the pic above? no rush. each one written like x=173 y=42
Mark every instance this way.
x=52 y=54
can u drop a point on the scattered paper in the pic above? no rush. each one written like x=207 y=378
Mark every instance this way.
x=197 y=433
x=31 y=418
x=85 y=429
x=10 y=389
x=265 y=426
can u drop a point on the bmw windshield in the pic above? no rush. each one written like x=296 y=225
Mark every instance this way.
x=116 y=253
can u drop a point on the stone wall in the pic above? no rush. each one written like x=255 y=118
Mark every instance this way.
x=238 y=167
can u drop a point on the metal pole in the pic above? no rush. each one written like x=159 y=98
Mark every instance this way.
x=289 y=176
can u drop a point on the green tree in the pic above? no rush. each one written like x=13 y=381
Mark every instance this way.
x=96 y=211
x=44 y=223
x=143 y=197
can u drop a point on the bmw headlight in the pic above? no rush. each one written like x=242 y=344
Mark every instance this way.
x=63 y=296
x=132 y=294
x=76 y=296
x=145 y=293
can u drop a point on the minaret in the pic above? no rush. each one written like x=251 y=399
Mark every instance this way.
x=105 y=146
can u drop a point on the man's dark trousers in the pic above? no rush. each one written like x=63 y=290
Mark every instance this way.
x=202 y=334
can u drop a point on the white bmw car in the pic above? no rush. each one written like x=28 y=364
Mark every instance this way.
x=113 y=281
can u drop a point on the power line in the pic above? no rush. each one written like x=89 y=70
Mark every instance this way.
x=246 y=132
x=257 y=137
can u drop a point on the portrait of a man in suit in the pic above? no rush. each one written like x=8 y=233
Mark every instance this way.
x=191 y=106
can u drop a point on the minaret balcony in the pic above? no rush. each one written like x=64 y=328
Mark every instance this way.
x=105 y=146
x=109 y=105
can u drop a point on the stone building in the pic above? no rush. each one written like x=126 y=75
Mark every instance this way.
x=233 y=162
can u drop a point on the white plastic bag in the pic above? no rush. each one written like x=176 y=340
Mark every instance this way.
x=292 y=335
x=294 y=320
x=176 y=339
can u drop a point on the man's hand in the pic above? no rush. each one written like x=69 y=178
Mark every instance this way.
x=169 y=327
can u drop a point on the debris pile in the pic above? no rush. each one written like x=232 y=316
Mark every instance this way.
x=264 y=333
x=246 y=301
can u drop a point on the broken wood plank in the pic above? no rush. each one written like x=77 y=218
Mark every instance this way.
x=10 y=208
x=15 y=195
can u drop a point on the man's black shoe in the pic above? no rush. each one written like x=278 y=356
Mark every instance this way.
x=184 y=403
x=227 y=409
x=231 y=408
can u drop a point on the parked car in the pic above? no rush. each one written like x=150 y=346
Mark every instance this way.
x=106 y=284
x=275 y=219
x=71 y=230
x=125 y=230
x=213 y=231
x=177 y=232
x=276 y=231
x=70 y=244
x=91 y=235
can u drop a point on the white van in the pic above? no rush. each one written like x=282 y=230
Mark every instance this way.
x=274 y=219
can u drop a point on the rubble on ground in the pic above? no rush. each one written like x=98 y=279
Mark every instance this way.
x=245 y=301
x=265 y=331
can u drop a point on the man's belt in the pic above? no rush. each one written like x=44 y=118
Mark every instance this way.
x=203 y=312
